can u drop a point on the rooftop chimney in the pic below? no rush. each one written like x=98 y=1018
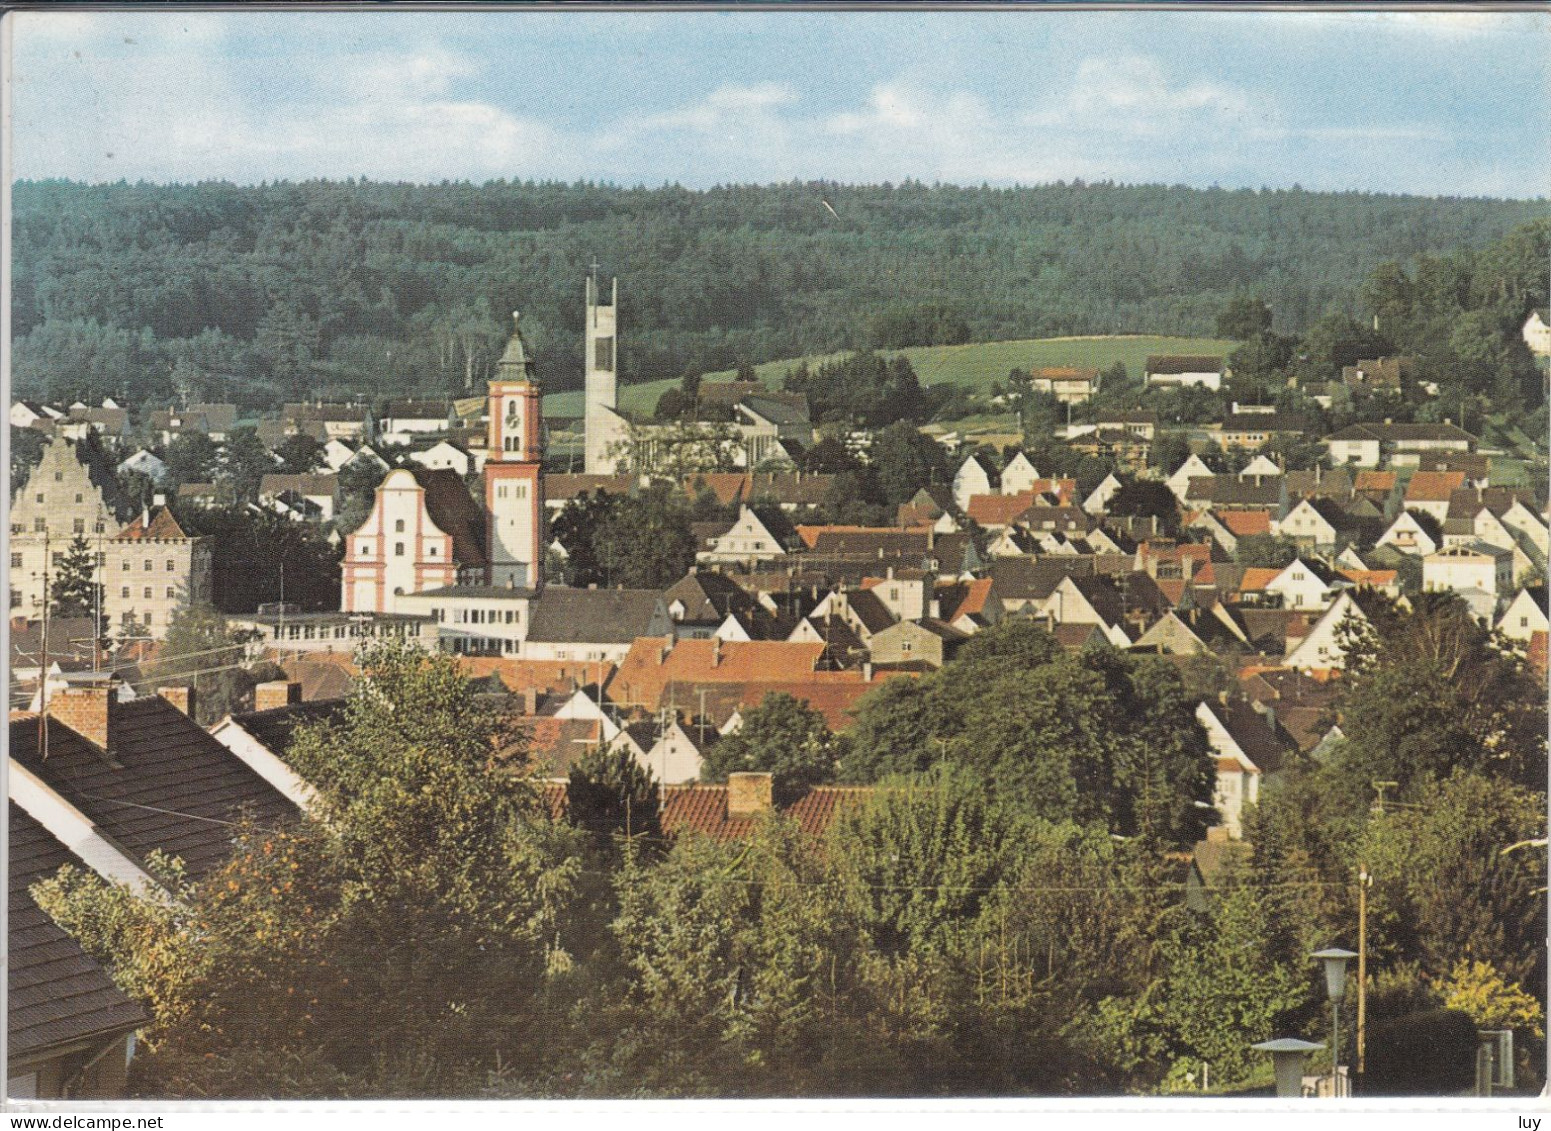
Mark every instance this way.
x=530 y=700
x=716 y=651
x=180 y=697
x=276 y=693
x=83 y=705
x=749 y=793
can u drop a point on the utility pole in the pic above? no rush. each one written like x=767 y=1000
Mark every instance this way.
x=43 y=665
x=1363 y=880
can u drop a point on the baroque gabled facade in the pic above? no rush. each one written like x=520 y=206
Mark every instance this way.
x=425 y=530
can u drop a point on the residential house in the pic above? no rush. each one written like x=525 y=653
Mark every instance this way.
x=1194 y=467
x=1255 y=429
x=1248 y=748
x=444 y=455
x=1321 y=648
x=926 y=643
x=1069 y=384
x=970 y=480
x=261 y=738
x=1525 y=616
x=733 y=811
x=70 y=1028
x=1098 y=499
x=350 y=423
x=1469 y=566
x=1386 y=373
x=1536 y=332
x=750 y=539
x=1431 y=491
x=1407 y=535
x=405 y=421
x=1364 y=445
x=1019 y=476
x=593 y=625
x=312 y=496
x=146 y=464
x=1184 y=371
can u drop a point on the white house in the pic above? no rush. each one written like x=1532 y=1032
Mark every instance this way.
x=1524 y=616
x=1537 y=333
x=1307 y=525
x=1301 y=586
x=970 y=480
x=1321 y=649
x=1238 y=778
x=445 y=455
x=1473 y=565
x=1185 y=372
x=1260 y=467
x=748 y=540
x=1097 y=502
x=1194 y=467
x=147 y=464
x=1019 y=476
x=1407 y=536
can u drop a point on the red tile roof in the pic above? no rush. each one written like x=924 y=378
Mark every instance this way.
x=654 y=661
x=1243 y=524
x=703 y=809
x=1255 y=579
x=1377 y=578
x=162 y=527
x=1434 y=486
x=975 y=596
x=1375 y=481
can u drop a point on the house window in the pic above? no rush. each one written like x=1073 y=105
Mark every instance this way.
x=907 y=646
x=171 y=593
x=432 y=551
x=172 y=565
x=520 y=491
x=147 y=592
x=126 y=565
x=398 y=549
x=56 y=558
x=364 y=550
x=79 y=526
x=147 y=565
x=39 y=525
x=1523 y=621
x=98 y=528
x=124 y=593
x=398 y=526
x=16 y=561
x=79 y=497
x=40 y=496
x=147 y=618
x=16 y=597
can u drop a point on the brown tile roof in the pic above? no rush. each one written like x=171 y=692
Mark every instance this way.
x=1183 y=363
x=169 y=785
x=1382 y=481
x=58 y=994
x=1256 y=579
x=454 y=512
x=571 y=486
x=1244 y=524
x=1065 y=373
x=999 y=510
x=275 y=727
x=320 y=677
x=162 y=527
x=1373 y=577
x=703 y=809
x=547 y=676
x=1434 y=486
x=653 y=662
x=973 y=602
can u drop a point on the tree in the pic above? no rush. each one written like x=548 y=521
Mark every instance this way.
x=1265 y=551
x=1244 y=318
x=202 y=651
x=608 y=791
x=243 y=464
x=301 y=454
x=75 y=591
x=646 y=542
x=403 y=943
x=906 y=460
x=27 y=446
x=781 y=736
x=1146 y=497
x=192 y=457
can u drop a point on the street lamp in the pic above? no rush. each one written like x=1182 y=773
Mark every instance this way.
x=1335 y=960
x=1287 y=1054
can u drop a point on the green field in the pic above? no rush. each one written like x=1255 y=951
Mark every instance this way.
x=976 y=365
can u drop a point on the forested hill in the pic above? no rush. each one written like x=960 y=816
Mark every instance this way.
x=275 y=291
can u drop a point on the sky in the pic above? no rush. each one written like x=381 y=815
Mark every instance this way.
x=1435 y=103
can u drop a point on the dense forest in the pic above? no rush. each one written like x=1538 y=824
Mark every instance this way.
x=281 y=290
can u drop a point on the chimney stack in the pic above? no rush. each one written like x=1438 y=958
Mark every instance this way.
x=275 y=694
x=716 y=651
x=180 y=697
x=530 y=700
x=84 y=705
x=749 y=793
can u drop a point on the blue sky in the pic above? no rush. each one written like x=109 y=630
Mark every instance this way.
x=1440 y=103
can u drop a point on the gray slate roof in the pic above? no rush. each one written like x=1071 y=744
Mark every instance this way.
x=598 y=616
x=58 y=994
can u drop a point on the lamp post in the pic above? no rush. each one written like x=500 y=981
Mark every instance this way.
x=1335 y=960
x=1287 y=1054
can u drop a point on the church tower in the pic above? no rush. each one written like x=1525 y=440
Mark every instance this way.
x=601 y=421
x=514 y=485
